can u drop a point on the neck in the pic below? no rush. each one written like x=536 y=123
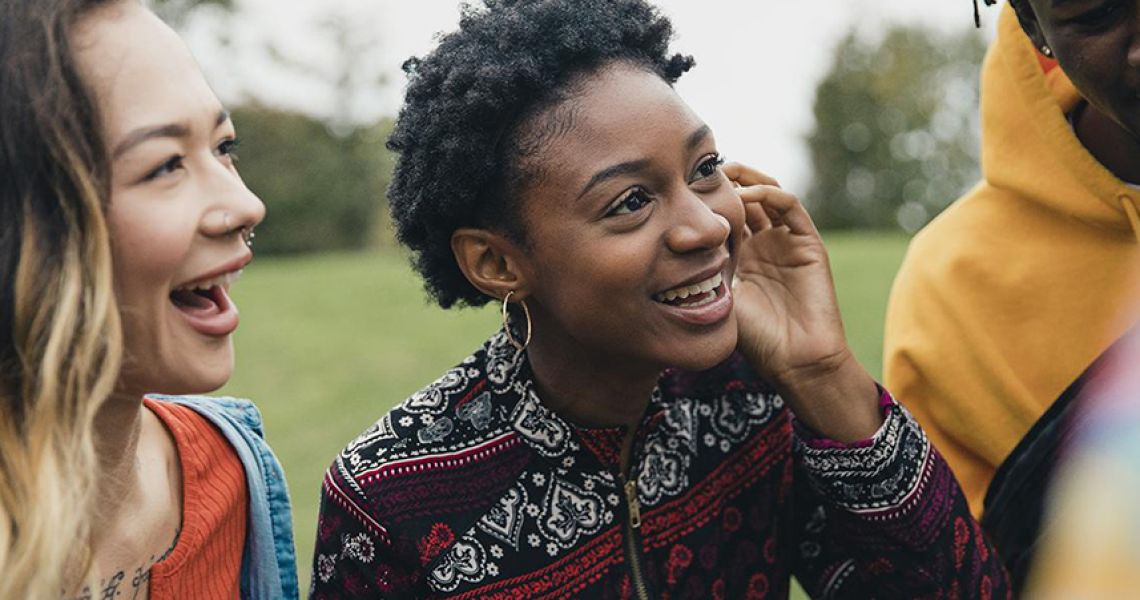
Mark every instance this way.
x=585 y=386
x=118 y=425
x=1110 y=143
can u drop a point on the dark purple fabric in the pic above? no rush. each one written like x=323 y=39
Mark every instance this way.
x=472 y=489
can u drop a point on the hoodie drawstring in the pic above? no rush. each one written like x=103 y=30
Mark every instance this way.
x=1133 y=218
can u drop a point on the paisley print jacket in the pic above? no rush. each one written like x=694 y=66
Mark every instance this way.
x=472 y=489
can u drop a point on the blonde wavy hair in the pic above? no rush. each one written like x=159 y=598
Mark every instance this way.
x=60 y=338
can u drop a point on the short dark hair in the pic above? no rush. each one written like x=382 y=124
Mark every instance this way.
x=470 y=110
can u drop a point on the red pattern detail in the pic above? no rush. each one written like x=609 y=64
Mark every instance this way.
x=961 y=538
x=757 y=587
x=732 y=519
x=333 y=492
x=435 y=542
x=770 y=550
x=563 y=578
x=605 y=444
x=680 y=557
x=478 y=387
x=980 y=542
x=433 y=462
x=692 y=510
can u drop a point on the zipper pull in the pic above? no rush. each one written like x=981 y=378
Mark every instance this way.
x=634 y=507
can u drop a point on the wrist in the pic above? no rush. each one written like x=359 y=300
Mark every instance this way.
x=834 y=397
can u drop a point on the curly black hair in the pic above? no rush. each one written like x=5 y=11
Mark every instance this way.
x=481 y=103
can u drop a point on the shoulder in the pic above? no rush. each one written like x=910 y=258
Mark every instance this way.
x=238 y=411
x=970 y=230
x=462 y=419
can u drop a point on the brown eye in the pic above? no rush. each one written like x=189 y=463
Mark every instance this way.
x=710 y=166
x=171 y=165
x=635 y=200
x=229 y=148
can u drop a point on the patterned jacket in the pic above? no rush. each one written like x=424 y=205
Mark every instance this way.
x=472 y=489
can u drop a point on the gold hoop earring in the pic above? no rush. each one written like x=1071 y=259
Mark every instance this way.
x=507 y=325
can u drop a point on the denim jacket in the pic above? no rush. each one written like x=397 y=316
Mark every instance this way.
x=269 y=563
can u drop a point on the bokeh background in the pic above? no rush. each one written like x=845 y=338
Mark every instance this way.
x=867 y=109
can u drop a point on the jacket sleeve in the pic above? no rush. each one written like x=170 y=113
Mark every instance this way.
x=884 y=518
x=354 y=556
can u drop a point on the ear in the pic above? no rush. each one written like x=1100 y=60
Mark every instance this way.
x=1029 y=24
x=492 y=263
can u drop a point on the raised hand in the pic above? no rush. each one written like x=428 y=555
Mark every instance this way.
x=788 y=316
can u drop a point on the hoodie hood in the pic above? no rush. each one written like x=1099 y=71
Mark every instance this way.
x=1008 y=295
x=1026 y=132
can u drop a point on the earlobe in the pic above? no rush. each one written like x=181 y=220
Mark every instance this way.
x=491 y=262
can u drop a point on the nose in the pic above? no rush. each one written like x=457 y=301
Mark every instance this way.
x=233 y=207
x=697 y=225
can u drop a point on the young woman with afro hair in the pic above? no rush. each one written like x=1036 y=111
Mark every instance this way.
x=671 y=409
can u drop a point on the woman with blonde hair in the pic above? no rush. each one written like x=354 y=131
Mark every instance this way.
x=122 y=224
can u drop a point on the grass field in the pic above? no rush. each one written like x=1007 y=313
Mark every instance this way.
x=327 y=344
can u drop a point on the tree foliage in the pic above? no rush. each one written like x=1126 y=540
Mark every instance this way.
x=896 y=133
x=322 y=191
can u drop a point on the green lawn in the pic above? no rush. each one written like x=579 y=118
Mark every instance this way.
x=328 y=343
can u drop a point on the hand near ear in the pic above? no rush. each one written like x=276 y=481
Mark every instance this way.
x=788 y=315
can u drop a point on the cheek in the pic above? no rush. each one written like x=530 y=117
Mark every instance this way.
x=148 y=247
x=1095 y=65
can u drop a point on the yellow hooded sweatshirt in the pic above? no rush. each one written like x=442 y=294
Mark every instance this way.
x=1006 y=297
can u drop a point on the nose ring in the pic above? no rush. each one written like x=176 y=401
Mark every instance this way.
x=247 y=235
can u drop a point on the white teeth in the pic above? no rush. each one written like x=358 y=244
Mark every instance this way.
x=205 y=284
x=685 y=291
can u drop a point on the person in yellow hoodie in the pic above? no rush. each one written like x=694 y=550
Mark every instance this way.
x=1008 y=296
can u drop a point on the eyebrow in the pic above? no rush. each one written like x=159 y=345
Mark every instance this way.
x=633 y=166
x=169 y=130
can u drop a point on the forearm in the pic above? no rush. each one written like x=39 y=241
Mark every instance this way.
x=897 y=524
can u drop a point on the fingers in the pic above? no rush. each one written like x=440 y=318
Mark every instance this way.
x=755 y=217
x=745 y=176
x=779 y=208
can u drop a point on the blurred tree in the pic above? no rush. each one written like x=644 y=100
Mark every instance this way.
x=896 y=129
x=322 y=191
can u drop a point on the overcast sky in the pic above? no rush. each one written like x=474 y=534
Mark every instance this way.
x=758 y=61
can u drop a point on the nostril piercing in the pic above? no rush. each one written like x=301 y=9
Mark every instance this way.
x=247 y=236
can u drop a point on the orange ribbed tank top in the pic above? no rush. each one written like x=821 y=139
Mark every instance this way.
x=205 y=562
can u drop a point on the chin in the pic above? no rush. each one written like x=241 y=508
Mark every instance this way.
x=199 y=377
x=706 y=354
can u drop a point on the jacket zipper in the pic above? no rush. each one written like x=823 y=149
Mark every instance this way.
x=632 y=540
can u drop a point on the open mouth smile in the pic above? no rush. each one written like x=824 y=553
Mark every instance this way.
x=692 y=296
x=706 y=302
x=206 y=304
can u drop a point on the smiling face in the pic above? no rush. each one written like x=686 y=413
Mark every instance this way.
x=630 y=229
x=178 y=208
x=1097 y=43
